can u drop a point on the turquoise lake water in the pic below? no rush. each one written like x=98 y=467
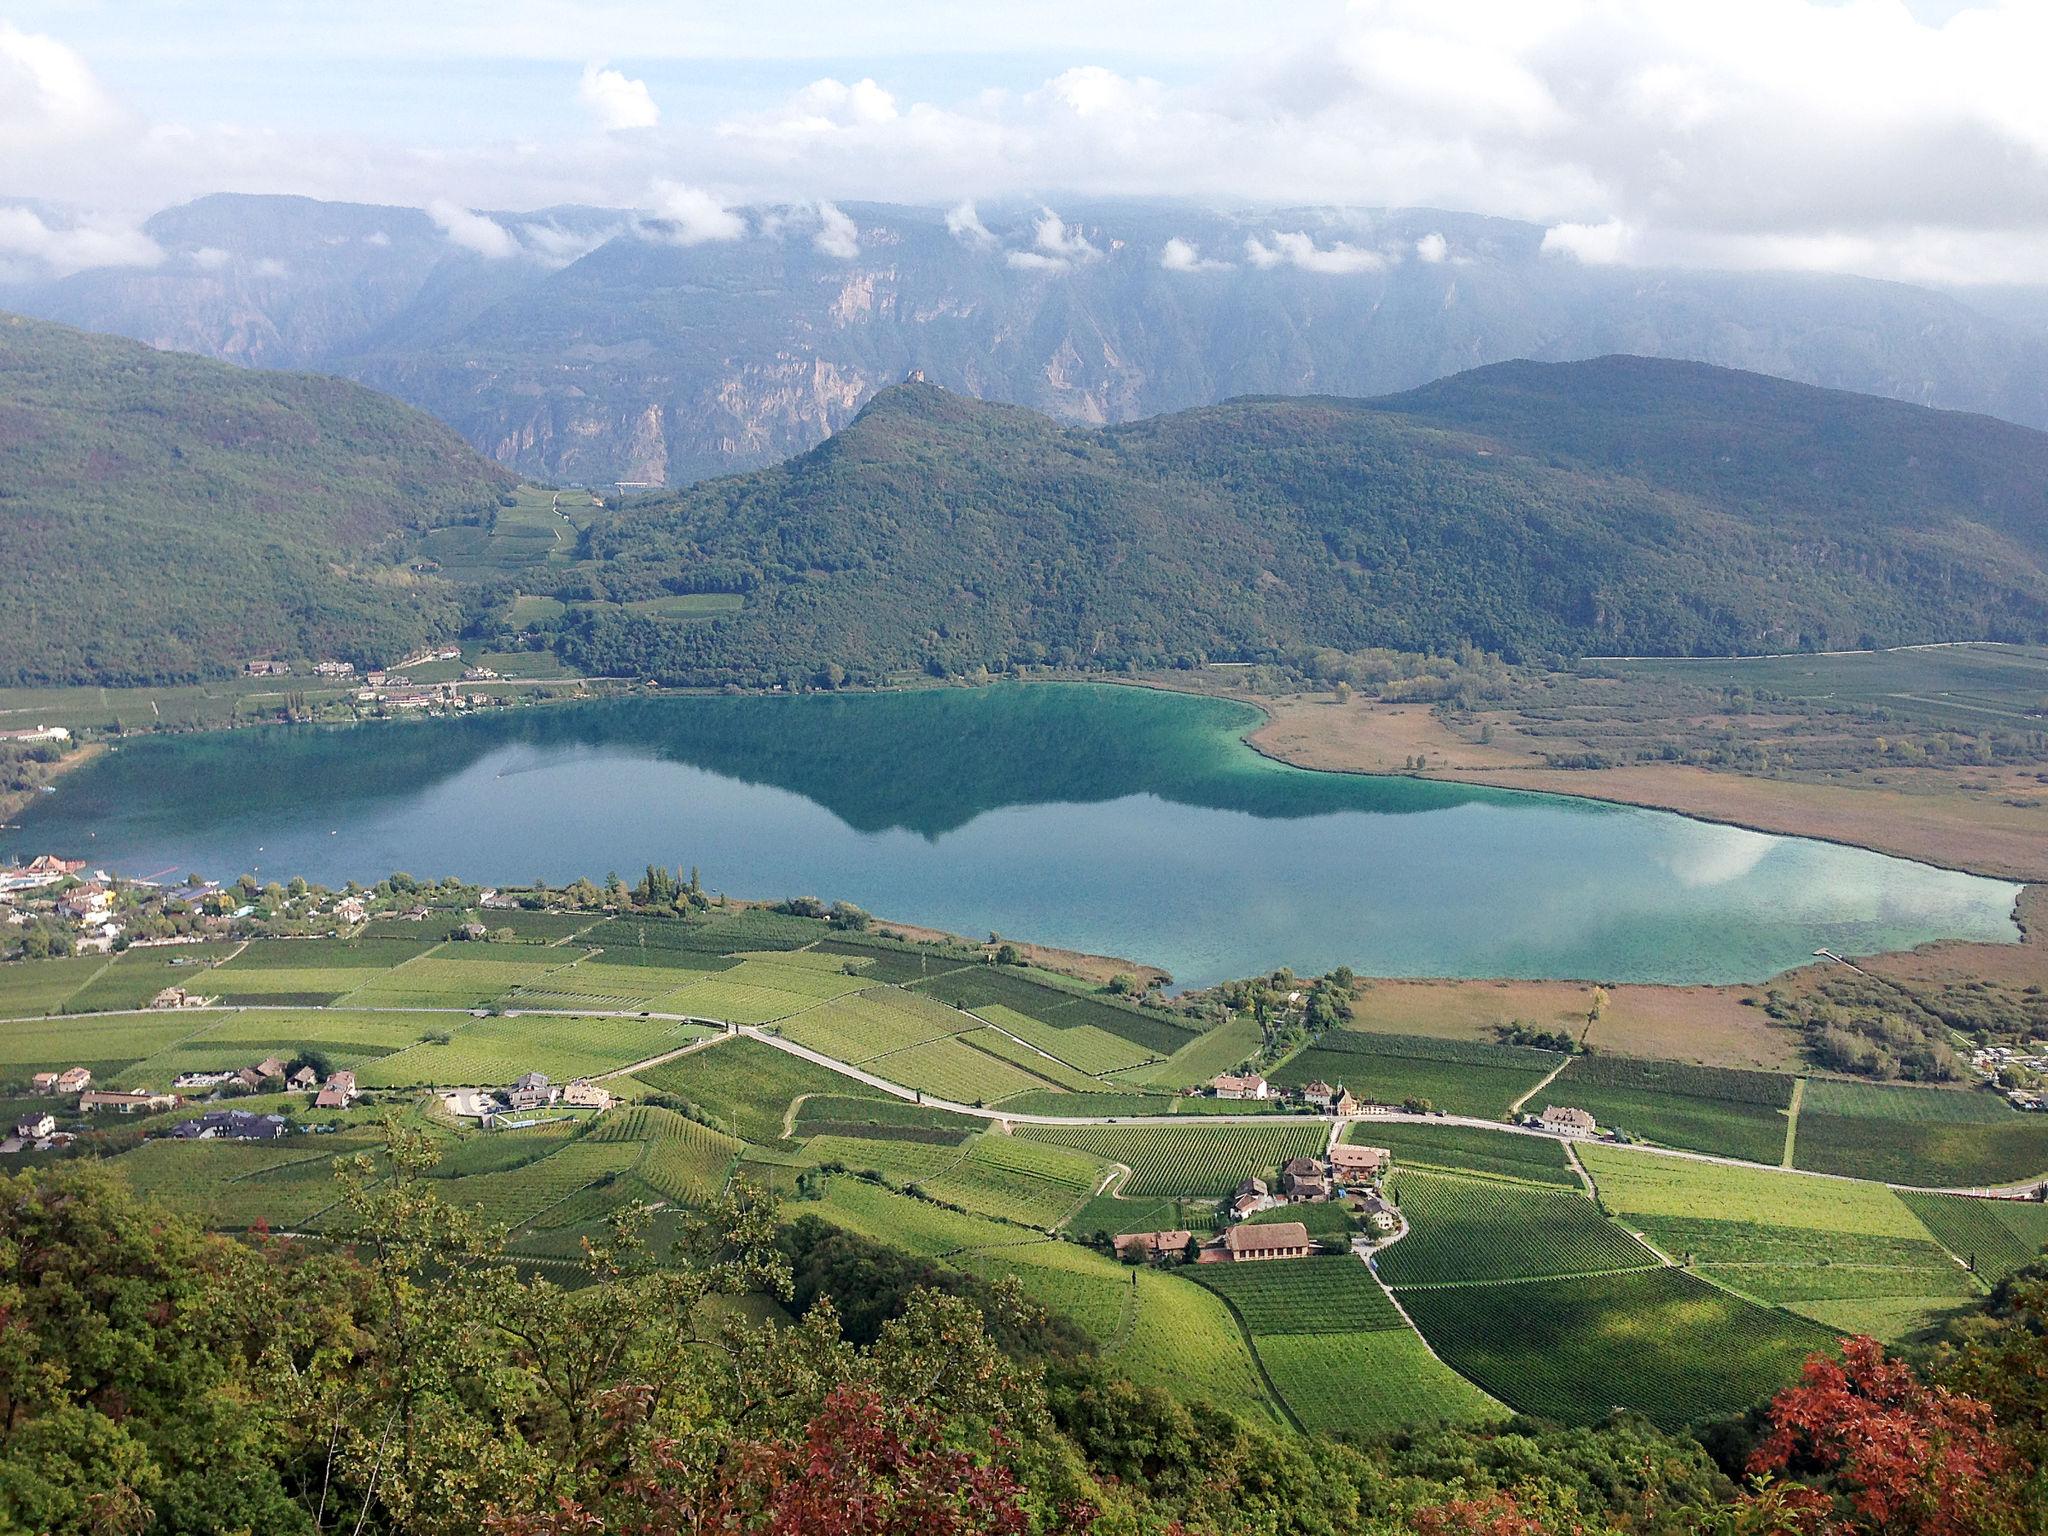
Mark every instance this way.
x=1108 y=819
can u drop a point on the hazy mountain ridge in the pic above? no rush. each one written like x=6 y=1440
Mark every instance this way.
x=646 y=360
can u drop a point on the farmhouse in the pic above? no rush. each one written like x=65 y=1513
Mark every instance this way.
x=1302 y=1179
x=1566 y=1121
x=35 y=1126
x=1252 y=1195
x=1151 y=1247
x=338 y=1092
x=584 y=1094
x=303 y=1079
x=1317 y=1094
x=178 y=997
x=532 y=1091
x=1231 y=1086
x=71 y=1079
x=37 y=733
x=126 y=1103
x=1257 y=1241
x=1348 y=1163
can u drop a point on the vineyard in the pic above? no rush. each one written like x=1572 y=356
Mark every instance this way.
x=1999 y=1235
x=869 y=1024
x=1705 y=1109
x=1191 y=1159
x=1463 y=1229
x=1056 y=1007
x=1369 y=1383
x=1457 y=1076
x=1661 y=1342
x=1337 y=1295
x=1465 y=1149
x=745 y=1086
x=952 y=1070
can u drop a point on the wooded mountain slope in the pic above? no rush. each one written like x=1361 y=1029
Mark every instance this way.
x=1624 y=504
x=164 y=517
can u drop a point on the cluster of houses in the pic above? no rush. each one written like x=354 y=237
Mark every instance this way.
x=1347 y=1173
x=48 y=886
x=504 y=1108
x=1993 y=1062
x=1317 y=1094
x=38 y=1129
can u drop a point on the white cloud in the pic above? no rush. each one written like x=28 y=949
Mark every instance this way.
x=691 y=216
x=553 y=246
x=208 y=258
x=1597 y=245
x=965 y=225
x=59 y=250
x=472 y=231
x=378 y=238
x=1300 y=250
x=1054 y=237
x=1179 y=255
x=1432 y=248
x=838 y=236
x=1033 y=261
x=614 y=102
x=47 y=93
x=269 y=266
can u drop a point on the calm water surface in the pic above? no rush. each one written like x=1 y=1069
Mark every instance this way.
x=1105 y=819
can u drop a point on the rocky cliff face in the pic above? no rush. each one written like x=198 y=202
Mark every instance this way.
x=645 y=360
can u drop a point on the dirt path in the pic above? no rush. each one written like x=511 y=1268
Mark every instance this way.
x=1792 y=1121
x=1549 y=1078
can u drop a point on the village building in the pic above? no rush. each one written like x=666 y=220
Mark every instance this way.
x=178 y=997
x=269 y=1067
x=1566 y=1121
x=1349 y=1163
x=1252 y=1196
x=203 y=1079
x=1347 y=1105
x=231 y=1125
x=74 y=1080
x=37 y=733
x=334 y=669
x=305 y=1080
x=35 y=1126
x=1302 y=1179
x=532 y=1091
x=126 y=1103
x=44 y=1082
x=1253 y=1242
x=584 y=1094
x=1232 y=1086
x=351 y=909
x=338 y=1092
x=85 y=903
x=267 y=669
x=1151 y=1247
x=1317 y=1094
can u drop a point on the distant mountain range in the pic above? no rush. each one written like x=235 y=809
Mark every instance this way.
x=594 y=347
x=164 y=518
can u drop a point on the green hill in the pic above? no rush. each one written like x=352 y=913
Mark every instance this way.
x=164 y=517
x=1619 y=505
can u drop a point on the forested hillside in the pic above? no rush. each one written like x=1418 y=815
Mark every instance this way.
x=1619 y=505
x=164 y=517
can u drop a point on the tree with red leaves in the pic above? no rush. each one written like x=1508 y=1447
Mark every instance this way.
x=1888 y=1453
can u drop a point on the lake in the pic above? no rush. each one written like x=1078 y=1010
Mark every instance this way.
x=1116 y=820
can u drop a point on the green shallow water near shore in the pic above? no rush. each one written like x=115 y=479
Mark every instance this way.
x=1116 y=820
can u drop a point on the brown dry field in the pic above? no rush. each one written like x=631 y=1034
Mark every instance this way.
x=1707 y=1025
x=1924 y=814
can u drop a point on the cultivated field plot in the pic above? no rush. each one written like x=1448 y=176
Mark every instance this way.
x=1051 y=1101
x=901 y=1163
x=1704 y=1109
x=1369 y=1383
x=1034 y=1061
x=1459 y=1077
x=1221 y=1050
x=1642 y=1187
x=830 y=1114
x=1031 y=1183
x=1192 y=1159
x=1083 y=1047
x=494 y=1051
x=313 y=971
x=31 y=987
x=539 y=927
x=596 y=984
x=283 y=1185
x=515 y=1197
x=1658 y=1341
x=137 y=975
x=873 y=1023
x=682 y=1160
x=1925 y=1136
x=916 y=1226
x=501 y=1150
x=1055 y=1006
x=952 y=1069
x=105 y=1045
x=889 y=961
x=1463 y=1149
x=459 y=976
x=1999 y=1235
x=747 y=1087
x=1334 y=1295
x=732 y=1002
x=1112 y=1216
x=819 y=982
x=1463 y=1229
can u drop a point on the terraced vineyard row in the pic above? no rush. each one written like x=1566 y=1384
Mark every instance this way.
x=1192 y=1159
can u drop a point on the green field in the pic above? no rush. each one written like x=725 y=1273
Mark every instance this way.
x=745 y=1086
x=873 y=1023
x=1223 y=1048
x=1962 y=1154
x=1998 y=1235
x=1464 y=1229
x=1082 y=1047
x=1659 y=1341
x=1704 y=1109
x=1191 y=1159
x=1058 y=1007
x=1641 y=1186
x=1459 y=1077
x=953 y=1070
x=1465 y=1149
x=1369 y=1383
x=28 y=988
x=137 y=975
x=1333 y=1295
x=1031 y=1183
x=884 y=1119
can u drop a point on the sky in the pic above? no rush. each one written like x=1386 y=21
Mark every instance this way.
x=1881 y=137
